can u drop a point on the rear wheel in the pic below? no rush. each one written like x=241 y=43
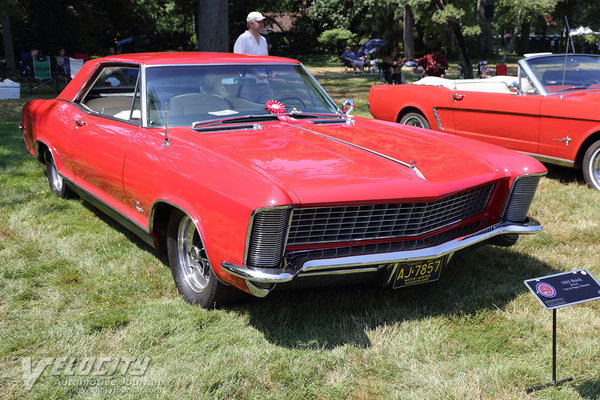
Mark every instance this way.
x=415 y=119
x=190 y=266
x=591 y=166
x=55 y=180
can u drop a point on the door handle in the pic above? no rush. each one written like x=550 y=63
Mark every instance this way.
x=457 y=97
x=79 y=123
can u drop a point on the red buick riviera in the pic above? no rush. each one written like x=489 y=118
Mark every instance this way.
x=250 y=176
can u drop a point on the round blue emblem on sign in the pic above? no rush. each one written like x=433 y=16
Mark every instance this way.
x=545 y=289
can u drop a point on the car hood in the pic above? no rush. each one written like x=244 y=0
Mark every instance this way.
x=363 y=160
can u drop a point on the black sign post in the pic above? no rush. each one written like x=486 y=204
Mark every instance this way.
x=561 y=290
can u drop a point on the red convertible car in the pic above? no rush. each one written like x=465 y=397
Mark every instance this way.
x=249 y=175
x=550 y=110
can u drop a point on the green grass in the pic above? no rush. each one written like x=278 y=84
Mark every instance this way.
x=75 y=284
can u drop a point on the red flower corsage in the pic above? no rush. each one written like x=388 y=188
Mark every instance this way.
x=275 y=107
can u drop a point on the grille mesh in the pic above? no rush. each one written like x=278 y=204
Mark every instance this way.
x=380 y=221
x=265 y=248
x=521 y=198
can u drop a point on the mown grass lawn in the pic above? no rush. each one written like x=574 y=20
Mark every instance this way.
x=74 y=284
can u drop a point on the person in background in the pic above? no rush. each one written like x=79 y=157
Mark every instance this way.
x=434 y=64
x=62 y=62
x=349 y=59
x=251 y=41
x=392 y=67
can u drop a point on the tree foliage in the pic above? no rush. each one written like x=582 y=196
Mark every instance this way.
x=90 y=26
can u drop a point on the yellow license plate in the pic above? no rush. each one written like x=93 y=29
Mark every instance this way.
x=418 y=272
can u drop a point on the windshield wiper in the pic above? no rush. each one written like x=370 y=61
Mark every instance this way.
x=572 y=88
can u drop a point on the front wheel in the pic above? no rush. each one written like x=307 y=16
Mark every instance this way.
x=55 y=180
x=591 y=166
x=190 y=266
x=415 y=119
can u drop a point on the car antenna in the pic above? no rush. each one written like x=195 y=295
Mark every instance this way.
x=166 y=142
x=569 y=38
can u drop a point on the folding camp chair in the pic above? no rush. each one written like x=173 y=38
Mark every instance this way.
x=41 y=73
x=74 y=66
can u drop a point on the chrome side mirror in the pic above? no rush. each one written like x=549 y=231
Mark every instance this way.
x=347 y=106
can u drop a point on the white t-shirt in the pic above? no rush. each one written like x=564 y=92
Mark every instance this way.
x=246 y=44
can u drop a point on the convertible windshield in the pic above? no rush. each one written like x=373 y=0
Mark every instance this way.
x=559 y=73
x=207 y=93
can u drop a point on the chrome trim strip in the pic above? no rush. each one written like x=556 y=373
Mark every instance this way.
x=437 y=118
x=553 y=160
x=407 y=165
x=512 y=187
x=364 y=270
x=529 y=227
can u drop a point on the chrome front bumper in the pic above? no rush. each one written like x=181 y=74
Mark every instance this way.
x=372 y=262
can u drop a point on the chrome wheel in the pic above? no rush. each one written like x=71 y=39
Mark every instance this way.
x=591 y=166
x=55 y=179
x=192 y=260
x=190 y=266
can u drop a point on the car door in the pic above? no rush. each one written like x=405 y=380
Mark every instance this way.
x=504 y=119
x=102 y=136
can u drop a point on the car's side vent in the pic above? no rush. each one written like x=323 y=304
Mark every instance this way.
x=521 y=197
x=267 y=237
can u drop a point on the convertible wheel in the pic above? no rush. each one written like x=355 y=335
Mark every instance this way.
x=415 y=119
x=190 y=266
x=591 y=166
x=55 y=180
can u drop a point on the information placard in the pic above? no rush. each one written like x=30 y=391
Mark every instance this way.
x=564 y=289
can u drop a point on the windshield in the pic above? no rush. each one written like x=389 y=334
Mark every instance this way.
x=559 y=73
x=206 y=93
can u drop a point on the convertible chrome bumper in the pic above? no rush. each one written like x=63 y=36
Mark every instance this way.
x=372 y=262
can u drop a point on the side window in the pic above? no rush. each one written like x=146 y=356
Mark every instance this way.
x=115 y=93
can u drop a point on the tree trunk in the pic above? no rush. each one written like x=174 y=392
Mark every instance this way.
x=524 y=41
x=514 y=35
x=408 y=35
x=212 y=29
x=463 y=51
x=485 y=14
x=11 y=66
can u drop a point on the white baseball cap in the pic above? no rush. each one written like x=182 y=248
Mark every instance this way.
x=254 y=16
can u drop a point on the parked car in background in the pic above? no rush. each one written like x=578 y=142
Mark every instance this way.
x=550 y=110
x=250 y=177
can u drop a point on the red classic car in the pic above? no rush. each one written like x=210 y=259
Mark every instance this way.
x=550 y=110
x=249 y=175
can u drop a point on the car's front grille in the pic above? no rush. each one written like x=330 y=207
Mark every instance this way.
x=295 y=260
x=381 y=221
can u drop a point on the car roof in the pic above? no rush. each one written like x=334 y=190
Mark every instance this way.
x=195 y=57
x=172 y=58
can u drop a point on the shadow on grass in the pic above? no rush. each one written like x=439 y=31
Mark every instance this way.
x=486 y=278
x=564 y=174
x=590 y=389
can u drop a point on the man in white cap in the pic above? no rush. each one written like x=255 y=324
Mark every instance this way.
x=251 y=41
